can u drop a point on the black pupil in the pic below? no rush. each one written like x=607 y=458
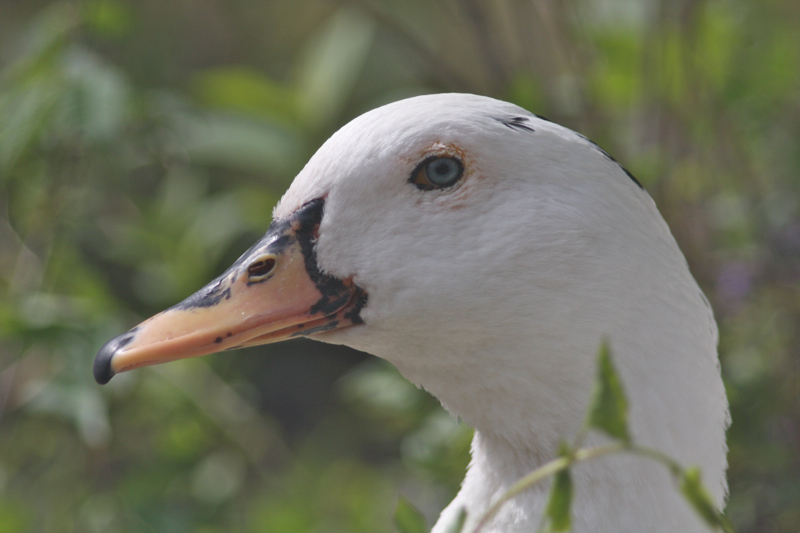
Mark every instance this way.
x=261 y=268
x=443 y=171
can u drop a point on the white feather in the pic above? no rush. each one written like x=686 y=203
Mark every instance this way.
x=494 y=296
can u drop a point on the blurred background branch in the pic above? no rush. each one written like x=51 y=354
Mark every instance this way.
x=144 y=143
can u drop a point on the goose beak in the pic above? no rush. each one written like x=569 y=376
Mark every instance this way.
x=273 y=292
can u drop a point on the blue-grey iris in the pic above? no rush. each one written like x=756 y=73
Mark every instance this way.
x=437 y=172
x=443 y=171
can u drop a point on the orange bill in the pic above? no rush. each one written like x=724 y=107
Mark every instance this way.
x=273 y=292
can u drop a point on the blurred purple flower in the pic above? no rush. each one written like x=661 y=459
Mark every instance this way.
x=734 y=282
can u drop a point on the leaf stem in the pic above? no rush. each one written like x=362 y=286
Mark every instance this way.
x=545 y=471
x=556 y=465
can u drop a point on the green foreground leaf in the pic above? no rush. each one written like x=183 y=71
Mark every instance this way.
x=408 y=518
x=697 y=495
x=458 y=524
x=608 y=410
x=558 y=508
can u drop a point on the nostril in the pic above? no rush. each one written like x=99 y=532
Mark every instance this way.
x=261 y=268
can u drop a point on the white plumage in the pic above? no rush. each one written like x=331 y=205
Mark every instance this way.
x=495 y=296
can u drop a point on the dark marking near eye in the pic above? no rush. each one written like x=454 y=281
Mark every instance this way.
x=335 y=293
x=354 y=314
x=280 y=243
x=274 y=241
x=304 y=223
x=230 y=334
x=208 y=296
x=518 y=123
x=218 y=340
x=611 y=158
x=515 y=123
x=326 y=305
x=631 y=176
x=317 y=329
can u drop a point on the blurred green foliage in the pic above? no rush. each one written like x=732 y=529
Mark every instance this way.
x=143 y=145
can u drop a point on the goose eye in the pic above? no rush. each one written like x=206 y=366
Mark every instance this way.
x=260 y=269
x=437 y=173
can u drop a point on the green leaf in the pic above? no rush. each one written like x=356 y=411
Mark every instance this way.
x=608 y=411
x=458 y=524
x=407 y=518
x=558 y=508
x=241 y=143
x=99 y=99
x=246 y=91
x=699 y=498
x=110 y=18
x=330 y=66
x=24 y=116
x=16 y=516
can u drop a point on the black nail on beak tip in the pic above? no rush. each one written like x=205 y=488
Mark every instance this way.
x=102 y=361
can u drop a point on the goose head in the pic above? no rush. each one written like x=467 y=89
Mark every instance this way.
x=485 y=252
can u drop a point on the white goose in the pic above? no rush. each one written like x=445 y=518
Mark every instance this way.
x=485 y=252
